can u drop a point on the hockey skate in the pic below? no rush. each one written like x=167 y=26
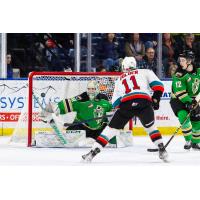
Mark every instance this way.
x=163 y=155
x=89 y=156
x=188 y=145
x=196 y=146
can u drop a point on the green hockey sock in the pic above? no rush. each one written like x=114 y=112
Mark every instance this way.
x=196 y=132
x=186 y=127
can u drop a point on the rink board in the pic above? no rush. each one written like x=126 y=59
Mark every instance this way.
x=137 y=131
x=13 y=95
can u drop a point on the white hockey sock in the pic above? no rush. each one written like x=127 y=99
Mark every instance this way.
x=97 y=145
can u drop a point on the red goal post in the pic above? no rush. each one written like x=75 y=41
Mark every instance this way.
x=65 y=84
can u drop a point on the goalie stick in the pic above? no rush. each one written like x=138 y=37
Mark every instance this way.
x=87 y=120
x=155 y=150
x=81 y=122
x=52 y=123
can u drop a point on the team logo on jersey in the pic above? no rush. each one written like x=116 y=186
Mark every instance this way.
x=98 y=112
x=195 y=85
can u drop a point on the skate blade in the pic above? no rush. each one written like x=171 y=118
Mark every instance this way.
x=85 y=160
x=165 y=160
x=187 y=150
x=195 y=149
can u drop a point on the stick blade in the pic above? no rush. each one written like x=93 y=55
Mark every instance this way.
x=152 y=150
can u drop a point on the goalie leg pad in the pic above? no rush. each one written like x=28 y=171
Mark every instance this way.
x=124 y=139
x=75 y=138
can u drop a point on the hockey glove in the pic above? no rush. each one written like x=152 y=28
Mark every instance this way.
x=46 y=114
x=156 y=99
x=193 y=107
x=155 y=103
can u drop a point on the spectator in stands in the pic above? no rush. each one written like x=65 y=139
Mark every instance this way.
x=52 y=46
x=169 y=52
x=64 y=44
x=9 y=66
x=197 y=54
x=172 y=69
x=149 y=60
x=135 y=47
x=66 y=41
x=53 y=56
x=179 y=40
x=189 y=43
x=101 y=68
x=108 y=52
x=149 y=39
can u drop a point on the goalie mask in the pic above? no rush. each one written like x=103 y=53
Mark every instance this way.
x=186 y=61
x=92 y=89
x=128 y=64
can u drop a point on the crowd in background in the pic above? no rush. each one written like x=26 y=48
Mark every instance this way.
x=55 y=52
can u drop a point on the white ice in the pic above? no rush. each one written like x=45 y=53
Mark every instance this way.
x=136 y=155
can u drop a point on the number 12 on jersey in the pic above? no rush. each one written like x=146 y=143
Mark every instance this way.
x=132 y=84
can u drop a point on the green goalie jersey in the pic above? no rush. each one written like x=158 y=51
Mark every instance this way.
x=186 y=86
x=87 y=109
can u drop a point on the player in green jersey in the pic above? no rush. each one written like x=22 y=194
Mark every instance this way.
x=184 y=97
x=88 y=105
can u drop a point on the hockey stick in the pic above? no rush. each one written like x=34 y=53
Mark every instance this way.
x=188 y=115
x=87 y=120
x=53 y=124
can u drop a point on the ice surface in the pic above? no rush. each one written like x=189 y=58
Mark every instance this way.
x=137 y=155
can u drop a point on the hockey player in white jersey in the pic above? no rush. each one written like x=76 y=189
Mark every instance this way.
x=132 y=98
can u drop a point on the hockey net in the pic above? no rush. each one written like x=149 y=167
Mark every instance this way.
x=45 y=87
